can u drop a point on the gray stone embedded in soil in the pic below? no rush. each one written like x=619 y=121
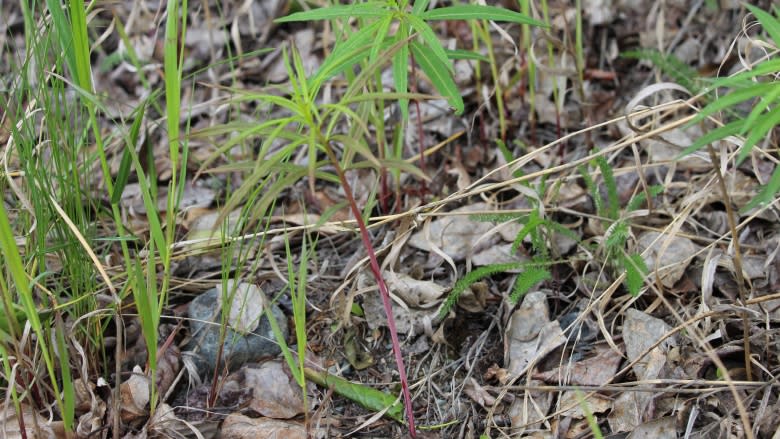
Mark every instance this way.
x=205 y=315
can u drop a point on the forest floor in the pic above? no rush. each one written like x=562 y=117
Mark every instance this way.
x=587 y=157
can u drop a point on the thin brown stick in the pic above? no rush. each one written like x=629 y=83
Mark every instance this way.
x=737 y=261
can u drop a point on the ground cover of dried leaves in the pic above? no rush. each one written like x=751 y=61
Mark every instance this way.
x=666 y=363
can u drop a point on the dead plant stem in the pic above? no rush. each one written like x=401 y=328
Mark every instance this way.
x=737 y=260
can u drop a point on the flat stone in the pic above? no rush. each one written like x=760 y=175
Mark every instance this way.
x=240 y=346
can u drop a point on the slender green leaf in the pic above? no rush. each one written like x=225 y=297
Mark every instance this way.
x=733 y=98
x=63 y=32
x=420 y=6
x=370 y=9
x=401 y=72
x=466 y=54
x=758 y=131
x=636 y=270
x=439 y=75
x=381 y=34
x=743 y=79
x=127 y=159
x=346 y=54
x=766 y=100
x=367 y=397
x=357 y=146
x=393 y=163
x=771 y=24
x=431 y=41
x=767 y=193
x=80 y=40
x=479 y=12
x=719 y=133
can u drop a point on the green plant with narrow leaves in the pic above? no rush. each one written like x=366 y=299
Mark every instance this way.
x=758 y=86
x=670 y=66
x=617 y=225
x=539 y=230
x=413 y=35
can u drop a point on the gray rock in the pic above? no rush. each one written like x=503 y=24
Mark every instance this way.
x=240 y=346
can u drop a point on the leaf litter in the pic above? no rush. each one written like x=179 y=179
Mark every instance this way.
x=489 y=367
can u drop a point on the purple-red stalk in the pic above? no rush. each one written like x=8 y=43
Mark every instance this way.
x=399 y=361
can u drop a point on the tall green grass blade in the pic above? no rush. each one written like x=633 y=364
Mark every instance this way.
x=744 y=79
x=125 y=166
x=63 y=31
x=80 y=41
x=13 y=263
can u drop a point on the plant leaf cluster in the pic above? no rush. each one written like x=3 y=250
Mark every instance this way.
x=618 y=227
x=412 y=35
x=760 y=87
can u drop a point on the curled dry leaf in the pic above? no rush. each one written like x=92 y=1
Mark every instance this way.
x=276 y=394
x=594 y=371
x=574 y=404
x=134 y=394
x=416 y=293
x=247 y=303
x=531 y=335
x=93 y=420
x=640 y=332
x=457 y=235
x=667 y=256
x=408 y=320
x=35 y=426
x=168 y=366
x=237 y=426
x=165 y=424
x=83 y=394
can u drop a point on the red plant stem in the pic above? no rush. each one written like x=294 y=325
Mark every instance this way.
x=399 y=360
